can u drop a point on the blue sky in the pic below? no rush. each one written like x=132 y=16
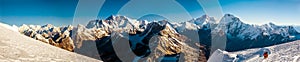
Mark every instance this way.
x=61 y=12
x=282 y=12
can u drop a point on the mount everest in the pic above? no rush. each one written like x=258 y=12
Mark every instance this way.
x=159 y=40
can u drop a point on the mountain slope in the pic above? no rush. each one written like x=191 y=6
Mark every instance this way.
x=174 y=39
x=17 y=47
x=242 y=36
x=56 y=36
x=238 y=35
x=154 y=41
x=283 y=52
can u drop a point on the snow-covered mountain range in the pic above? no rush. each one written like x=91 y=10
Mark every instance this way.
x=57 y=36
x=143 y=38
x=16 y=47
x=252 y=36
x=167 y=39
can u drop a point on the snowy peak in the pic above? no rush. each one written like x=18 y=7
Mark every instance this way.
x=271 y=25
x=161 y=34
x=169 y=35
x=47 y=25
x=228 y=18
x=17 y=47
x=181 y=27
x=111 y=17
x=155 y=27
x=116 y=17
x=92 y=24
x=235 y=29
x=203 y=20
x=56 y=36
x=114 y=22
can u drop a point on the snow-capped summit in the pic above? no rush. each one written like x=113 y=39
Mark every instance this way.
x=203 y=20
x=116 y=17
x=228 y=18
x=56 y=36
x=236 y=28
x=17 y=47
x=200 y=21
x=161 y=34
x=117 y=22
x=170 y=38
x=180 y=27
x=47 y=25
x=141 y=35
x=195 y=24
x=239 y=35
x=237 y=31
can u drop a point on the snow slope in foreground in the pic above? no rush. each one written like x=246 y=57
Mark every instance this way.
x=17 y=47
x=289 y=52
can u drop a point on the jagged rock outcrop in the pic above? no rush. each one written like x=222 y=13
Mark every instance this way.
x=57 y=36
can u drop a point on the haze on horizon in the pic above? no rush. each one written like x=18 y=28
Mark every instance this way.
x=61 y=12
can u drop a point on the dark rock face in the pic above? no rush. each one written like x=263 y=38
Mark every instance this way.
x=205 y=39
x=106 y=51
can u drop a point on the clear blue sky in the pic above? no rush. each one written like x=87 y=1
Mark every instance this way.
x=61 y=12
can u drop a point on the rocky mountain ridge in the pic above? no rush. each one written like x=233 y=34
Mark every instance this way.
x=16 y=47
x=170 y=39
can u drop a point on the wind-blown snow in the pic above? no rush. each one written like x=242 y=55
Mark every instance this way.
x=13 y=27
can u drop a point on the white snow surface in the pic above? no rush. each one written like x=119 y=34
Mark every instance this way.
x=13 y=27
x=16 y=47
x=185 y=26
x=287 y=52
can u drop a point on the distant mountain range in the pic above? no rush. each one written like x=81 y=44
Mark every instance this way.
x=161 y=40
x=16 y=47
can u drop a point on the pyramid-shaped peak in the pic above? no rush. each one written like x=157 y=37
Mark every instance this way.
x=229 y=18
